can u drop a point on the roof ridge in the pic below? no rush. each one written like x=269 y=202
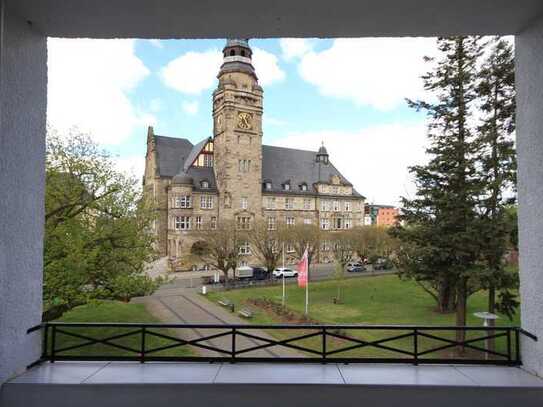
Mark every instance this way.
x=174 y=138
x=289 y=148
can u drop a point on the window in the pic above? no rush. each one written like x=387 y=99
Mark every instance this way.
x=182 y=222
x=245 y=249
x=307 y=221
x=325 y=246
x=290 y=221
x=213 y=222
x=204 y=160
x=339 y=222
x=289 y=203
x=286 y=186
x=204 y=184
x=290 y=248
x=268 y=185
x=325 y=224
x=347 y=206
x=198 y=222
x=307 y=204
x=244 y=165
x=206 y=202
x=324 y=206
x=270 y=203
x=244 y=222
x=182 y=201
x=335 y=190
x=271 y=223
x=243 y=203
x=336 y=206
x=347 y=223
x=303 y=187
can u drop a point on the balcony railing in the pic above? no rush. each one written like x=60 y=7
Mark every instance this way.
x=306 y=343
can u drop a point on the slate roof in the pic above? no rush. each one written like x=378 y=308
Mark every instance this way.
x=279 y=165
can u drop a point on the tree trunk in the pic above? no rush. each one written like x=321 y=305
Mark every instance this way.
x=492 y=310
x=446 y=297
x=461 y=312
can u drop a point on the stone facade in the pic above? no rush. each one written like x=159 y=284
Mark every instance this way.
x=233 y=176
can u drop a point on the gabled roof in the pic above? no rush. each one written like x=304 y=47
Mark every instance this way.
x=172 y=155
x=194 y=153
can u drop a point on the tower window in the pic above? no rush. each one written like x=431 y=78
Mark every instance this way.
x=232 y=53
x=242 y=53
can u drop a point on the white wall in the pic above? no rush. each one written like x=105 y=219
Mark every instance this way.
x=23 y=85
x=529 y=74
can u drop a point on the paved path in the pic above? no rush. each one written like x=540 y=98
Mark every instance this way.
x=184 y=305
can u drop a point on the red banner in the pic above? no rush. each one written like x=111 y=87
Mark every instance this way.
x=303 y=267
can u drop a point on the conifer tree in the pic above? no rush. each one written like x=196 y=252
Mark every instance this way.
x=440 y=244
x=496 y=99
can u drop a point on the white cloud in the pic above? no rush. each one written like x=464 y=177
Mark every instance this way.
x=193 y=72
x=133 y=165
x=155 y=105
x=190 y=108
x=295 y=47
x=375 y=159
x=157 y=43
x=88 y=87
x=378 y=72
x=266 y=67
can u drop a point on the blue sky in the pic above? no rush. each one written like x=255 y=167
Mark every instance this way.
x=347 y=93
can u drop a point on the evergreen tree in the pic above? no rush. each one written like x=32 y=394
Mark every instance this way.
x=440 y=244
x=496 y=94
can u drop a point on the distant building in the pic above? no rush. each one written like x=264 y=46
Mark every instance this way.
x=381 y=215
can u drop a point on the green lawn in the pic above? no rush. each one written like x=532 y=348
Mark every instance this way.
x=114 y=311
x=371 y=300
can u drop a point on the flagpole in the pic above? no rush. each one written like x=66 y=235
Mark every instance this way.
x=307 y=293
x=284 y=296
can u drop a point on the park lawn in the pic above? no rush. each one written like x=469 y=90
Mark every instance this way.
x=114 y=311
x=377 y=300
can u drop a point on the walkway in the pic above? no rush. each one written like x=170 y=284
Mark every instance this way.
x=185 y=305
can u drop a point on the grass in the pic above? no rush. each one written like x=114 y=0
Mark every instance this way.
x=114 y=311
x=377 y=300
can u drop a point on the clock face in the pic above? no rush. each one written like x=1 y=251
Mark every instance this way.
x=244 y=120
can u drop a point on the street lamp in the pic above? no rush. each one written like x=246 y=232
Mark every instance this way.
x=486 y=317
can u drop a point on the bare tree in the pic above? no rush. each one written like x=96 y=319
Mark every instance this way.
x=302 y=237
x=266 y=244
x=342 y=249
x=223 y=246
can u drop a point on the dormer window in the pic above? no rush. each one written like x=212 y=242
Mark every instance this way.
x=204 y=184
x=268 y=185
x=303 y=187
x=286 y=186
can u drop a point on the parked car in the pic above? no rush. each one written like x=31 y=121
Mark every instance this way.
x=284 y=271
x=251 y=273
x=260 y=273
x=355 y=267
x=382 y=264
x=244 y=272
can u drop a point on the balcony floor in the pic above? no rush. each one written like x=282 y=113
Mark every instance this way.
x=123 y=383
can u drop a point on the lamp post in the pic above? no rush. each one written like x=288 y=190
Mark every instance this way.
x=486 y=317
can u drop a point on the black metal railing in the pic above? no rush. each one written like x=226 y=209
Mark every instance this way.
x=282 y=343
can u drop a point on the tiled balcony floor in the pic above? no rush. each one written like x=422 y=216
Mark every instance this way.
x=260 y=373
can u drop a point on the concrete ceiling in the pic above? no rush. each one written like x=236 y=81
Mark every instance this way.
x=275 y=18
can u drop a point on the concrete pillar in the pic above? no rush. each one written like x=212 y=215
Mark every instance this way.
x=23 y=96
x=529 y=74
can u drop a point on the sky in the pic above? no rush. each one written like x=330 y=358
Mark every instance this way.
x=346 y=93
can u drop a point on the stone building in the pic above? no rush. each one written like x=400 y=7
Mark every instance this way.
x=232 y=175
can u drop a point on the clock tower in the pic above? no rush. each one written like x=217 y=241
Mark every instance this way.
x=237 y=118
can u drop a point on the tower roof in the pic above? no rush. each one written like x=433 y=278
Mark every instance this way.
x=237 y=57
